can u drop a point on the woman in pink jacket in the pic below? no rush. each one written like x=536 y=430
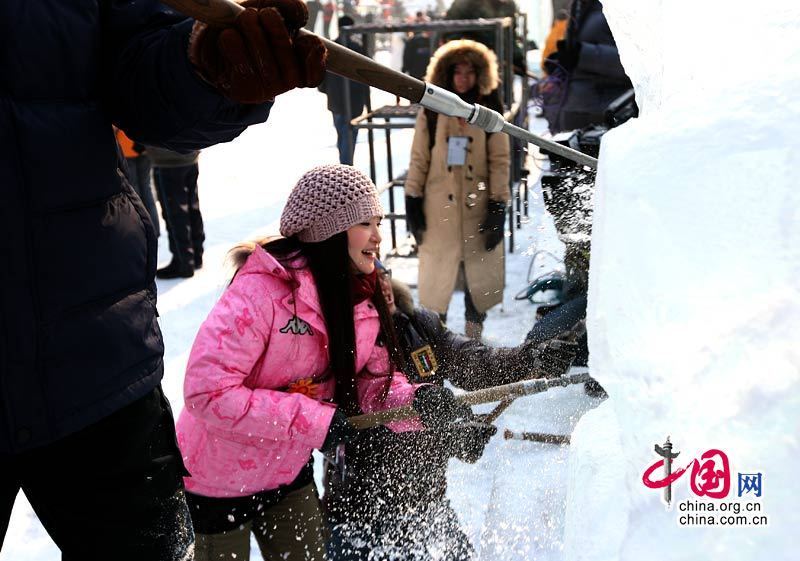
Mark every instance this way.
x=300 y=339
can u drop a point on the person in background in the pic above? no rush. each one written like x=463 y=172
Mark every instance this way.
x=314 y=8
x=587 y=62
x=588 y=75
x=417 y=50
x=334 y=87
x=86 y=432
x=328 y=11
x=487 y=9
x=299 y=340
x=175 y=176
x=138 y=171
x=386 y=497
x=556 y=34
x=457 y=189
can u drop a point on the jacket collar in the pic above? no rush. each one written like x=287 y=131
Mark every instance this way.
x=402 y=297
x=262 y=262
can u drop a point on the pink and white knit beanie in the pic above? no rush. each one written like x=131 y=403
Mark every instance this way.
x=327 y=200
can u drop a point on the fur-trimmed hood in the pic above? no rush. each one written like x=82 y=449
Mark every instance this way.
x=403 y=298
x=465 y=50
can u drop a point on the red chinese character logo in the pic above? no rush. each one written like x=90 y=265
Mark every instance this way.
x=707 y=479
x=710 y=477
x=661 y=483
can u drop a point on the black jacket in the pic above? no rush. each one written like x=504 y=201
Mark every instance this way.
x=416 y=55
x=598 y=78
x=78 y=331
x=389 y=473
x=486 y=9
x=334 y=86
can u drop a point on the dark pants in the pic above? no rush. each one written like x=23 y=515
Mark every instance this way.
x=286 y=522
x=111 y=491
x=177 y=192
x=421 y=533
x=471 y=313
x=314 y=8
x=139 y=175
x=343 y=131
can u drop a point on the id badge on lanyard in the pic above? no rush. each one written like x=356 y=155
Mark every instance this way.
x=457 y=150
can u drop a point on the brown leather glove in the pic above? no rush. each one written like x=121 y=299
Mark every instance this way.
x=259 y=57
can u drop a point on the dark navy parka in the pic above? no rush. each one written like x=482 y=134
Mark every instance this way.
x=598 y=77
x=78 y=332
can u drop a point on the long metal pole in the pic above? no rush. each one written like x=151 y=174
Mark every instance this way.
x=549 y=145
x=352 y=65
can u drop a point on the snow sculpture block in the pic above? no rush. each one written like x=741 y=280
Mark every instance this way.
x=694 y=302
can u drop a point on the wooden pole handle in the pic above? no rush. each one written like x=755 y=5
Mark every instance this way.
x=341 y=60
x=357 y=67
x=487 y=395
x=219 y=13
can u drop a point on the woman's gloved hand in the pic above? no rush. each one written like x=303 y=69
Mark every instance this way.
x=438 y=407
x=468 y=439
x=340 y=431
x=415 y=217
x=259 y=57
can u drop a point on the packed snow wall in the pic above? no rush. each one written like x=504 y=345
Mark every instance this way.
x=694 y=302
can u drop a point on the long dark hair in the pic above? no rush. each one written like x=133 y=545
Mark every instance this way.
x=330 y=266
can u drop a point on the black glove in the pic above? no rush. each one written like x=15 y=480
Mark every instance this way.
x=564 y=59
x=415 y=217
x=340 y=431
x=259 y=56
x=437 y=407
x=493 y=226
x=469 y=439
x=553 y=358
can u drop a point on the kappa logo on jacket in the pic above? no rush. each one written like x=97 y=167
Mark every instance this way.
x=297 y=326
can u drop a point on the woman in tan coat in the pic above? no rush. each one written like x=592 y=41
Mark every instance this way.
x=457 y=189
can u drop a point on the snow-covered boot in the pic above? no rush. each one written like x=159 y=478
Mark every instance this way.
x=473 y=330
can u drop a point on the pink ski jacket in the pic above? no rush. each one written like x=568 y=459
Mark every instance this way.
x=258 y=379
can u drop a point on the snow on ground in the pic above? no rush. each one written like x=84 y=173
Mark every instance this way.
x=512 y=501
